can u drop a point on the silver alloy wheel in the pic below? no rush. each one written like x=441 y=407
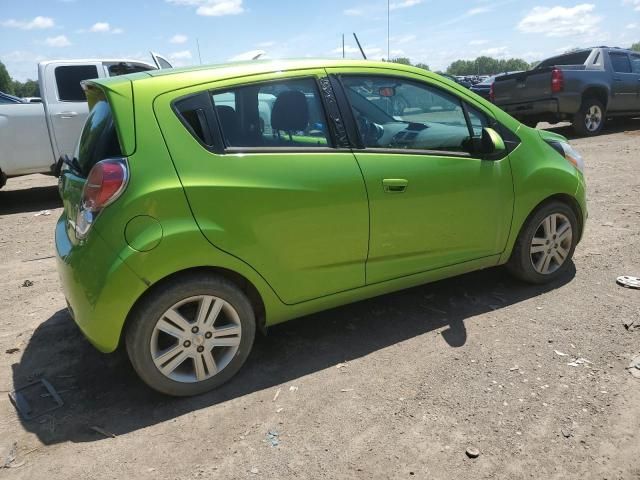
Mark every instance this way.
x=196 y=338
x=551 y=244
x=593 y=118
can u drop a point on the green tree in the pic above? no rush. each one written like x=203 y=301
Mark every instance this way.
x=636 y=47
x=424 y=66
x=486 y=66
x=6 y=84
x=29 y=88
x=401 y=60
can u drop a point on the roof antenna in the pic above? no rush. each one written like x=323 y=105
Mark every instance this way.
x=359 y=46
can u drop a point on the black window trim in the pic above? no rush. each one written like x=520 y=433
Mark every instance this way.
x=331 y=134
x=359 y=146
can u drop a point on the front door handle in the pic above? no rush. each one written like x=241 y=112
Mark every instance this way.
x=67 y=114
x=395 y=185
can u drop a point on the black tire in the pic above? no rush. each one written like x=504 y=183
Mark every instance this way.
x=521 y=264
x=147 y=313
x=580 y=122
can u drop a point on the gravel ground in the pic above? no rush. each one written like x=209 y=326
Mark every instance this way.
x=395 y=387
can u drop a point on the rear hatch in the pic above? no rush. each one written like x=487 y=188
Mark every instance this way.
x=101 y=138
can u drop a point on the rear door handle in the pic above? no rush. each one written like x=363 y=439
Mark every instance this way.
x=67 y=114
x=395 y=185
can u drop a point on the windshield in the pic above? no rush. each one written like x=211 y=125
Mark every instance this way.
x=99 y=139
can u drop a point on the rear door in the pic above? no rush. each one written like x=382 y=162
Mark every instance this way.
x=66 y=104
x=635 y=70
x=625 y=84
x=433 y=202
x=269 y=182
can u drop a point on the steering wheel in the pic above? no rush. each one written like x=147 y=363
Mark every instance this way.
x=371 y=132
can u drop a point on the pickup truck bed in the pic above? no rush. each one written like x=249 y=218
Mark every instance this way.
x=605 y=84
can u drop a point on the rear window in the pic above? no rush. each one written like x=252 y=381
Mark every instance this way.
x=99 y=139
x=68 y=80
x=574 y=58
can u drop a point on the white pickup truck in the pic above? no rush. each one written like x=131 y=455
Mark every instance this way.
x=33 y=136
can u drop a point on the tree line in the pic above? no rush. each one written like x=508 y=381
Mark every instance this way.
x=28 y=88
x=480 y=66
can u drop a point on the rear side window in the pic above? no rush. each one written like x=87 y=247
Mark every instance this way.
x=99 y=139
x=68 y=80
x=574 y=58
x=620 y=62
x=635 y=63
x=286 y=113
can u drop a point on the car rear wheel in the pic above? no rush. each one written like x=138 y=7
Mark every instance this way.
x=590 y=118
x=546 y=244
x=191 y=335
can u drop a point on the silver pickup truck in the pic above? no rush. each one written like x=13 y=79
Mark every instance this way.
x=584 y=87
x=33 y=136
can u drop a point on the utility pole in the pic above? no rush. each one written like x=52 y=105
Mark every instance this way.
x=199 y=56
x=343 y=45
x=388 y=30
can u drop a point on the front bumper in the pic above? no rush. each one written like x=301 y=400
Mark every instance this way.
x=100 y=288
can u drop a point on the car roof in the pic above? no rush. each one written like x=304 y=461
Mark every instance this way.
x=177 y=78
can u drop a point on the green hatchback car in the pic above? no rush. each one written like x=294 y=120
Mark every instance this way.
x=208 y=202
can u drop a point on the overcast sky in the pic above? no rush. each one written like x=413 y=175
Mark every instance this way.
x=432 y=31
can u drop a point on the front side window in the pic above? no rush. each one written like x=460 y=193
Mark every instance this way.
x=68 y=80
x=620 y=62
x=395 y=113
x=285 y=113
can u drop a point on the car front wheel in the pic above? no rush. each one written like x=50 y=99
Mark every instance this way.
x=190 y=335
x=546 y=244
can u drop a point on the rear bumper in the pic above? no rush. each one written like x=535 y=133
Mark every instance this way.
x=100 y=288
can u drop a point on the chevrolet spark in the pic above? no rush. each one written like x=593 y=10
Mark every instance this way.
x=206 y=203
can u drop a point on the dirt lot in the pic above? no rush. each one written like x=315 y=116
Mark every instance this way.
x=395 y=387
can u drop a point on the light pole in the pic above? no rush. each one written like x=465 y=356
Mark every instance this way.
x=388 y=30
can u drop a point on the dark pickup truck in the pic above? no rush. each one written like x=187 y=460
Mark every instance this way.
x=584 y=87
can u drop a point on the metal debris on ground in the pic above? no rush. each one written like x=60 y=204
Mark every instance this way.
x=254 y=471
x=342 y=365
x=472 y=452
x=275 y=397
x=629 y=282
x=634 y=367
x=27 y=283
x=272 y=438
x=579 y=361
x=293 y=388
x=103 y=432
x=558 y=352
x=12 y=350
x=629 y=323
x=42 y=213
x=345 y=390
x=11 y=455
x=28 y=401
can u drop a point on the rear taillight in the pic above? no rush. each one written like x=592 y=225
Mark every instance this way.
x=557 y=80
x=105 y=183
x=492 y=93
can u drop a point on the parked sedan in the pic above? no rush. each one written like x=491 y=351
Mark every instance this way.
x=208 y=203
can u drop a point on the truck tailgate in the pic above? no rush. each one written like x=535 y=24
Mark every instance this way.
x=523 y=87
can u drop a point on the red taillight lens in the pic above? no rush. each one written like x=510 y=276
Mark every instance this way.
x=492 y=93
x=105 y=183
x=557 y=80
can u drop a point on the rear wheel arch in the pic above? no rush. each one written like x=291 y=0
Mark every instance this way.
x=244 y=284
x=599 y=93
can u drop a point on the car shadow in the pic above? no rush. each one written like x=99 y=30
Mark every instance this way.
x=611 y=127
x=31 y=199
x=102 y=390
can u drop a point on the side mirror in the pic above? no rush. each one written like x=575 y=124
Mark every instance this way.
x=491 y=144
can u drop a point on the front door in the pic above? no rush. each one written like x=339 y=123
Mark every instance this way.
x=274 y=190
x=433 y=203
